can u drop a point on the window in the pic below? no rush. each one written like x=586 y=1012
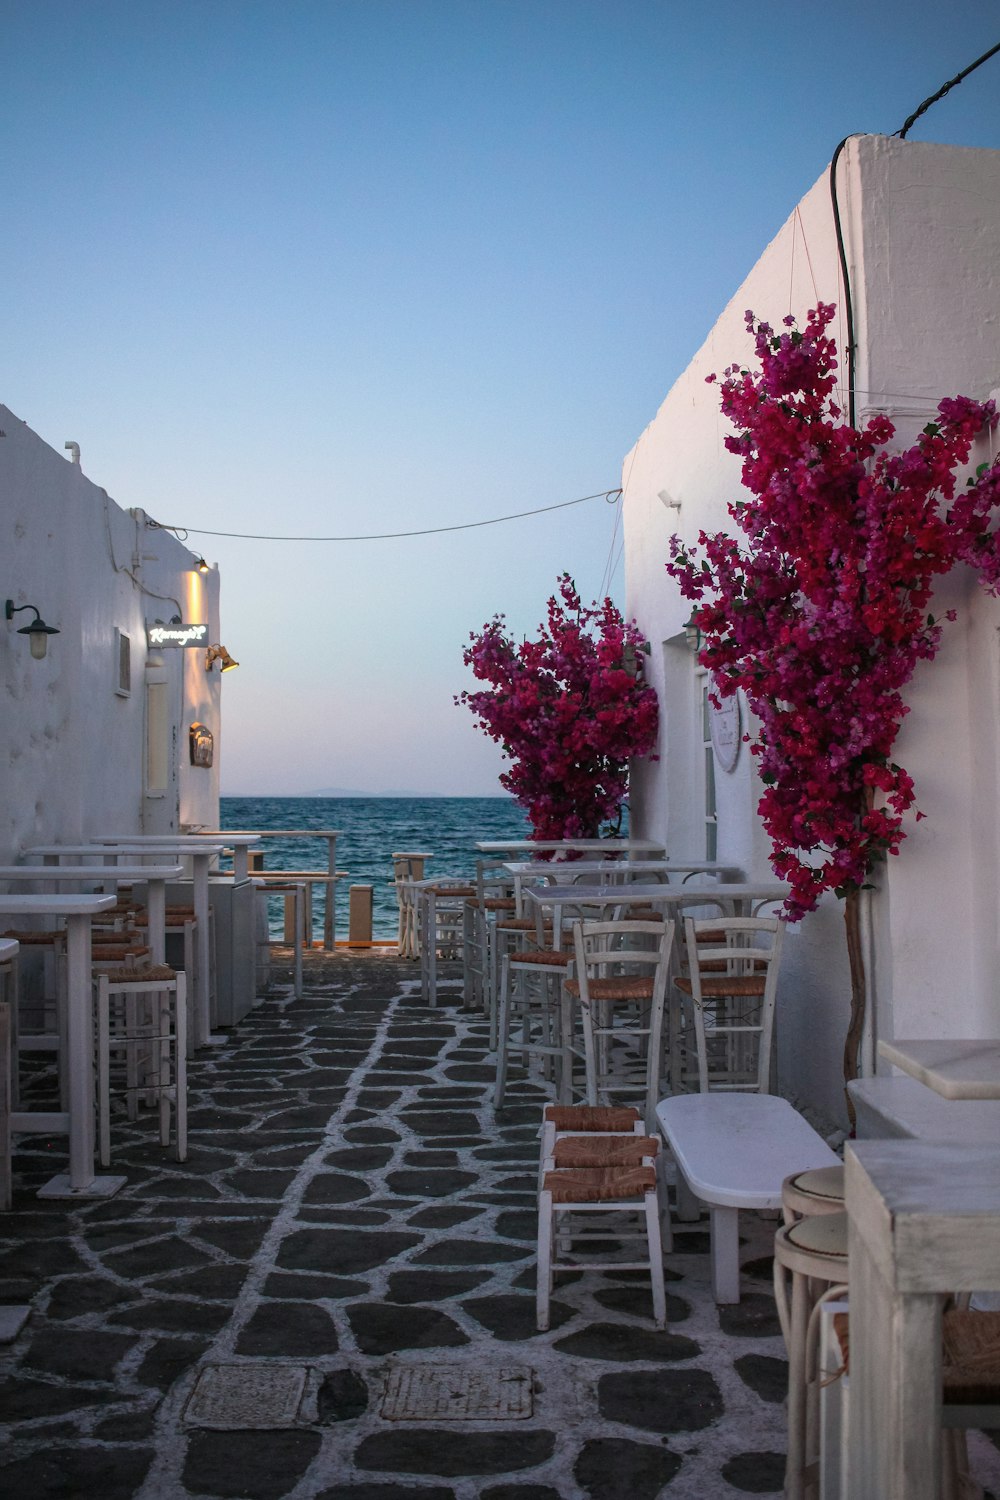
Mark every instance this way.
x=122 y=664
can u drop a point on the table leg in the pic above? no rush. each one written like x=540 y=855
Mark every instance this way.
x=80 y=1181
x=202 y=1027
x=895 y=1444
x=329 y=935
x=724 y=1224
x=156 y=906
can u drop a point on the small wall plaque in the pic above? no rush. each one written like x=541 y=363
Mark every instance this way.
x=202 y=745
x=727 y=731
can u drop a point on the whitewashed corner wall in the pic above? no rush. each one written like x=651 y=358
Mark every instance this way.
x=922 y=234
x=72 y=749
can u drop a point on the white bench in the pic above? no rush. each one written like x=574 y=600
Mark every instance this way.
x=734 y=1151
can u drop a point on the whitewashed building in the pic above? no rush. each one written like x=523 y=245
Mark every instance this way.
x=108 y=732
x=921 y=248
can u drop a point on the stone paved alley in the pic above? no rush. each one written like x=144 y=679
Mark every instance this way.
x=353 y=1214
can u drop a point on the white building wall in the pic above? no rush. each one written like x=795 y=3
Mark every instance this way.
x=922 y=235
x=72 y=750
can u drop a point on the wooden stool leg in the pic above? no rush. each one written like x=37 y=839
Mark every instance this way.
x=503 y=1035
x=6 y=1175
x=543 y=1280
x=652 y=1209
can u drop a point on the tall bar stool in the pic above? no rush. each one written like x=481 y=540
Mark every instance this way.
x=142 y=1018
x=820 y=1190
x=810 y=1257
x=40 y=1025
x=535 y=1017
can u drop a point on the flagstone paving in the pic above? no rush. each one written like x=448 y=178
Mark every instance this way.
x=345 y=1265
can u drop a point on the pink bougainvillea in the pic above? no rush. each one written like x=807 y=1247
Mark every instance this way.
x=570 y=709
x=819 y=611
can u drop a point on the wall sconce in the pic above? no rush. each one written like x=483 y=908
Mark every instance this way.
x=37 y=632
x=218 y=653
x=630 y=657
x=692 y=635
x=201 y=566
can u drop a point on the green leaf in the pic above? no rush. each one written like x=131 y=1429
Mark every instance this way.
x=932 y=429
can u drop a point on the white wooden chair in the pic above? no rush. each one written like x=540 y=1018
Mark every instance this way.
x=722 y=1024
x=620 y=980
x=598 y=1174
x=534 y=1007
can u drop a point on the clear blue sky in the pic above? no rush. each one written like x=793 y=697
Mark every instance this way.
x=374 y=265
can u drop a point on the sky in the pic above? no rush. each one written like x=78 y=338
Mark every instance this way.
x=314 y=268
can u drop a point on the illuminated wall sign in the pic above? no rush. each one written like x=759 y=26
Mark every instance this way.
x=176 y=635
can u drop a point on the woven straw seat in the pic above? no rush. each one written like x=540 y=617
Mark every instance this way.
x=517 y=924
x=150 y=972
x=614 y=989
x=599 y=1184
x=603 y=1150
x=595 y=1117
x=547 y=957
x=35 y=939
x=459 y=892
x=970 y=1355
x=730 y=984
x=109 y=952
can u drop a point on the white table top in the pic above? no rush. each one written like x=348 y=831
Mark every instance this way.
x=956 y=1069
x=735 y=1150
x=608 y=846
x=114 y=850
x=57 y=873
x=658 y=894
x=561 y=869
x=218 y=836
x=33 y=905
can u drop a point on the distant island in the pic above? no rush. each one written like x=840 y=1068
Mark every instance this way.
x=346 y=791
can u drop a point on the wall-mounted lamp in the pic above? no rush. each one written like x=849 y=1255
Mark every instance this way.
x=665 y=498
x=218 y=653
x=201 y=566
x=630 y=657
x=37 y=632
x=692 y=635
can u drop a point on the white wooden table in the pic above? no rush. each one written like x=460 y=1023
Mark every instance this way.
x=923 y=1220
x=239 y=843
x=201 y=855
x=155 y=876
x=607 y=848
x=964 y=1069
x=734 y=1151
x=78 y=1122
x=609 y=872
x=735 y=898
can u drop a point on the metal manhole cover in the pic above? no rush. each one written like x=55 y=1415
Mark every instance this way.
x=232 y=1398
x=458 y=1393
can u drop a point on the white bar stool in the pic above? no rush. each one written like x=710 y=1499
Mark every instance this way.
x=149 y=1025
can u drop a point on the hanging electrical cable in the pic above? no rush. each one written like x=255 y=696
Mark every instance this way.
x=611 y=496
x=944 y=89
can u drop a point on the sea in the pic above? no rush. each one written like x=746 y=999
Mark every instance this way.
x=371 y=830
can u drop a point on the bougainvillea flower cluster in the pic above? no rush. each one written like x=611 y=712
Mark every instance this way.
x=819 y=611
x=570 y=710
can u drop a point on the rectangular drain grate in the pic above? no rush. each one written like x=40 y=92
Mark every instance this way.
x=235 y=1398
x=458 y=1393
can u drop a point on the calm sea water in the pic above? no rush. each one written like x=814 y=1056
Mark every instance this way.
x=372 y=829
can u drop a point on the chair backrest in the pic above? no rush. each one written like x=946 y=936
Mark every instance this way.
x=623 y=946
x=732 y=969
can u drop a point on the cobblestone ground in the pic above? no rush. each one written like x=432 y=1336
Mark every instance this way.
x=352 y=1207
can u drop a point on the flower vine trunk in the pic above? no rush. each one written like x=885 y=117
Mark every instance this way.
x=859 y=991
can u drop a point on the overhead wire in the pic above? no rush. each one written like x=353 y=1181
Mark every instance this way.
x=611 y=496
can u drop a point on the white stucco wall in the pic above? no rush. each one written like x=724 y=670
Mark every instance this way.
x=72 y=750
x=922 y=233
